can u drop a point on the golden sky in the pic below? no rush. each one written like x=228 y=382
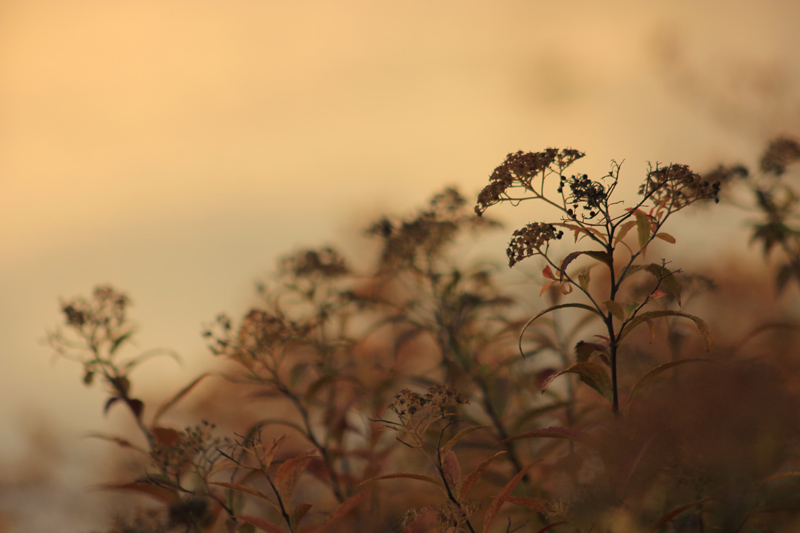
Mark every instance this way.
x=175 y=148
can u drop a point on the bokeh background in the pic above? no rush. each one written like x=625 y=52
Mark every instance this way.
x=176 y=148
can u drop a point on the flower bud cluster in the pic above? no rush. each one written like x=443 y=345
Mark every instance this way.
x=676 y=186
x=529 y=240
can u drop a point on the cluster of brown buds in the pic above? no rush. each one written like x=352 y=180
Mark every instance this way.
x=325 y=262
x=676 y=186
x=528 y=241
x=435 y=404
x=107 y=309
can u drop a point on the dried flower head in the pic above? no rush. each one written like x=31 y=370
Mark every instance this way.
x=519 y=169
x=779 y=154
x=325 y=262
x=676 y=186
x=437 y=402
x=529 y=240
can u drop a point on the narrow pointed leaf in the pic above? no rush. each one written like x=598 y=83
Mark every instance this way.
x=667 y=280
x=498 y=501
x=460 y=435
x=162 y=494
x=469 y=481
x=534 y=504
x=404 y=475
x=298 y=513
x=666 y=237
x=342 y=509
x=551 y=526
x=599 y=256
x=177 y=397
x=451 y=468
x=623 y=230
x=651 y=376
x=644 y=317
x=261 y=524
x=674 y=513
x=549 y=433
x=246 y=489
x=550 y=309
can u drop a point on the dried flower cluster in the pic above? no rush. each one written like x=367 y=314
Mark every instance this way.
x=519 y=169
x=325 y=262
x=107 y=309
x=779 y=154
x=194 y=447
x=528 y=241
x=676 y=186
x=438 y=401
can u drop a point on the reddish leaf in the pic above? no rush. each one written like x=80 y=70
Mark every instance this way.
x=247 y=490
x=549 y=433
x=534 y=504
x=342 y=509
x=546 y=286
x=598 y=256
x=674 y=513
x=289 y=472
x=165 y=436
x=298 y=513
x=451 y=468
x=261 y=524
x=460 y=435
x=548 y=273
x=162 y=494
x=470 y=480
x=498 y=501
x=551 y=526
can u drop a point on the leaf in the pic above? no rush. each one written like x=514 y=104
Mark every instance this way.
x=498 y=501
x=550 y=309
x=546 y=286
x=289 y=472
x=584 y=350
x=623 y=230
x=460 y=435
x=298 y=513
x=644 y=317
x=674 y=513
x=643 y=228
x=548 y=273
x=451 y=468
x=119 y=340
x=118 y=441
x=599 y=256
x=177 y=397
x=534 y=504
x=403 y=475
x=261 y=524
x=549 y=433
x=246 y=489
x=666 y=279
x=590 y=373
x=648 y=378
x=342 y=509
x=469 y=481
x=136 y=407
x=781 y=475
x=551 y=526
x=584 y=277
x=266 y=459
x=666 y=237
x=615 y=309
x=88 y=377
x=111 y=401
x=162 y=494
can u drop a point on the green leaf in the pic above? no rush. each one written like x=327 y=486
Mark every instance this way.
x=592 y=374
x=643 y=228
x=667 y=280
x=549 y=310
x=119 y=340
x=599 y=256
x=651 y=376
x=623 y=230
x=615 y=309
x=645 y=317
